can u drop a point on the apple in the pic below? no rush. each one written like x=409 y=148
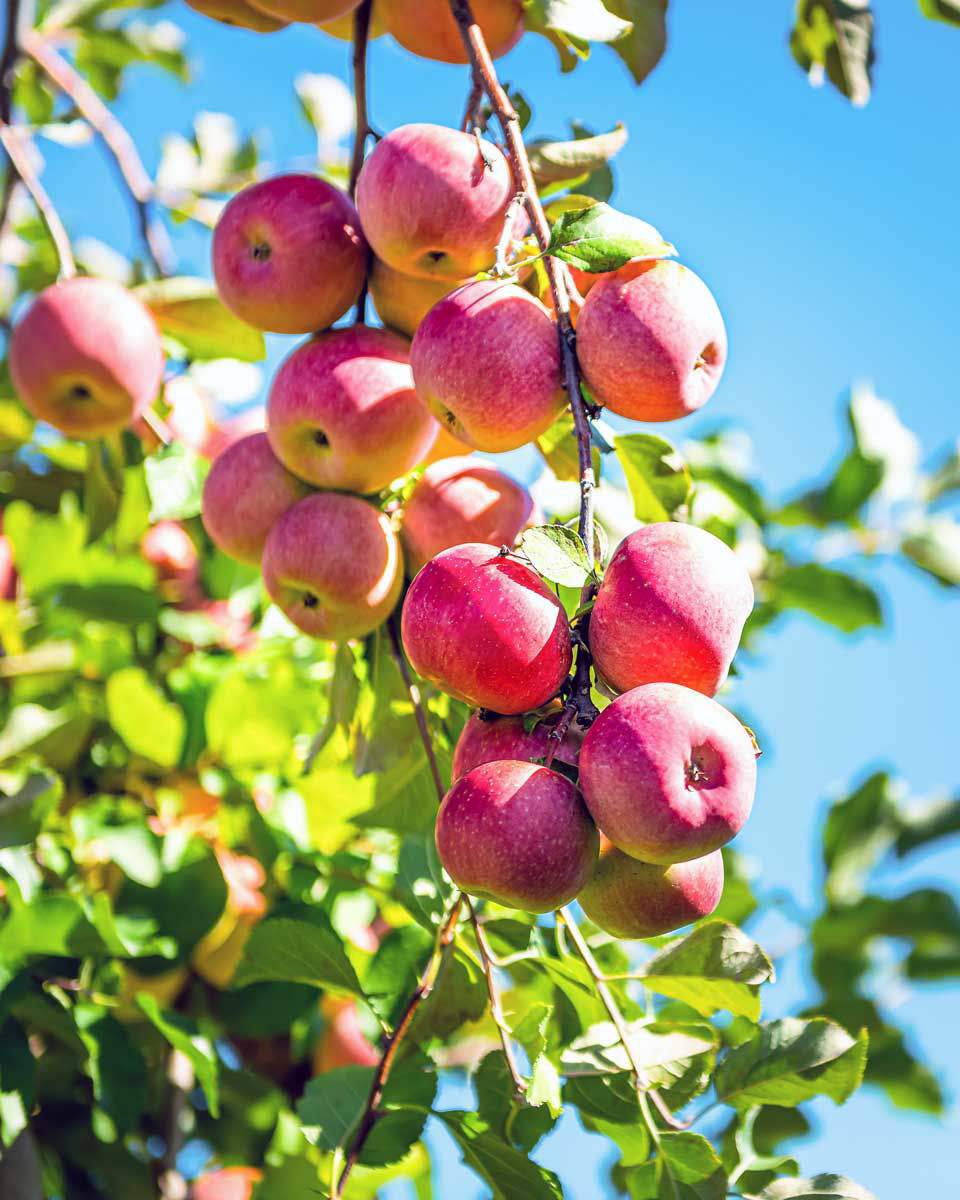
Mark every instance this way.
x=446 y=446
x=247 y=489
x=86 y=357
x=170 y=550
x=343 y=413
x=310 y=11
x=632 y=899
x=229 y=1183
x=402 y=301
x=651 y=341
x=487 y=630
x=216 y=956
x=342 y=27
x=289 y=255
x=342 y=1043
x=237 y=12
x=667 y=773
x=430 y=204
x=333 y=564
x=188 y=419
x=483 y=741
x=461 y=500
x=8 y=570
x=670 y=609
x=516 y=833
x=427 y=27
x=486 y=362
x=224 y=434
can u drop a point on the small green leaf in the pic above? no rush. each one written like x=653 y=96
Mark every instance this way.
x=333 y=1103
x=558 y=447
x=600 y=238
x=688 y=1168
x=509 y=1174
x=24 y=813
x=148 y=722
x=935 y=548
x=556 y=162
x=190 y=311
x=643 y=46
x=115 y=1064
x=836 y=36
x=830 y=596
x=716 y=966
x=581 y=20
x=184 y=1036
x=658 y=478
x=599 y=1050
x=175 y=479
x=558 y=554
x=820 y=1187
x=281 y=948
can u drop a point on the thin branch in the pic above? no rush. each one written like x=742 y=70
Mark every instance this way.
x=180 y=1077
x=417 y=701
x=442 y=946
x=8 y=59
x=361 y=38
x=501 y=267
x=13 y=139
x=117 y=140
x=496 y=1006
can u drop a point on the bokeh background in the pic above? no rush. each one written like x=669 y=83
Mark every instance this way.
x=829 y=236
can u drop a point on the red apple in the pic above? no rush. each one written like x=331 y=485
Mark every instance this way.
x=310 y=11
x=462 y=500
x=343 y=413
x=632 y=899
x=667 y=773
x=427 y=27
x=446 y=446
x=86 y=357
x=402 y=301
x=170 y=549
x=490 y=741
x=246 y=491
x=237 y=12
x=651 y=341
x=333 y=564
x=8 y=570
x=288 y=254
x=429 y=203
x=486 y=629
x=670 y=609
x=516 y=833
x=342 y=1043
x=486 y=362
x=229 y=1183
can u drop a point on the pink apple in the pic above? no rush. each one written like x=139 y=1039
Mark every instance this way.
x=462 y=500
x=667 y=773
x=402 y=301
x=224 y=434
x=483 y=741
x=343 y=413
x=486 y=362
x=246 y=491
x=516 y=833
x=333 y=564
x=229 y=1183
x=632 y=899
x=429 y=203
x=446 y=446
x=170 y=550
x=86 y=357
x=651 y=341
x=288 y=254
x=486 y=629
x=343 y=1042
x=670 y=609
x=427 y=27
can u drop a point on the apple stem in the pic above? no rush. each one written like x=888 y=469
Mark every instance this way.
x=362 y=130
x=471 y=112
x=502 y=267
x=16 y=140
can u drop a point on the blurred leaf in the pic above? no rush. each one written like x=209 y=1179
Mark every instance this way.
x=175 y=479
x=836 y=36
x=190 y=311
x=509 y=1174
x=51 y=924
x=658 y=478
x=299 y=952
x=600 y=238
x=820 y=1187
x=716 y=966
x=935 y=548
x=557 y=553
x=941 y=819
x=18 y=1086
x=830 y=596
x=184 y=1036
x=23 y=814
x=643 y=46
x=941 y=10
x=148 y=722
x=581 y=20
x=860 y=828
x=554 y=162
x=116 y=1066
x=558 y=447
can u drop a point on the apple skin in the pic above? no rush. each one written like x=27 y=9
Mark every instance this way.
x=223 y=435
x=486 y=629
x=427 y=27
x=86 y=357
x=402 y=301
x=486 y=362
x=239 y=13
x=246 y=491
x=289 y=255
x=8 y=570
x=342 y=1043
x=632 y=899
x=343 y=413
x=310 y=11
x=651 y=341
x=429 y=205
x=333 y=564
x=229 y=1183
x=667 y=773
x=490 y=741
x=670 y=609
x=516 y=833
x=461 y=500
x=342 y=27
x=446 y=446
x=170 y=550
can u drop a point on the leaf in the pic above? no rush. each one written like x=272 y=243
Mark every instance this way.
x=555 y=162
x=395 y=968
x=558 y=554
x=935 y=548
x=598 y=1051
x=688 y=1168
x=288 y=950
x=333 y=1103
x=24 y=813
x=509 y=1174
x=599 y=238
x=175 y=483
x=116 y=1066
x=558 y=448
x=190 y=311
x=824 y=1187
x=830 y=596
x=18 y=1084
x=581 y=20
x=51 y=924
x=657 y=477
x=792 y=1060
x=145 y=719
x=184 y=1036
x=716 y=966
x=643 y=46
x=509 y=1117
x=836 y=36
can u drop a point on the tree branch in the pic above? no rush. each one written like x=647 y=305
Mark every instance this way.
x=442 y=947
x=117 y=140
x=417 y=701
x=361 y=38
x=8 y=65
x=12 y=139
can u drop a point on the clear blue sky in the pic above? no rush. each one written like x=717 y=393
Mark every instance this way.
x=829 y=237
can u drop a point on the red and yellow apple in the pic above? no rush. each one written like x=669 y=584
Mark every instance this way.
x=427 y=27
x=483 y=741
x=402 y=301
x=237 y=12
x=310 y=11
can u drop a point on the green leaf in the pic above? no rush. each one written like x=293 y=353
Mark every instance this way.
x=941 y=10
x=688 y=1168
x=24 y=813
x=395 y=969
x=820 y=1187
x=18 y=1086
x=184 y=1036
x=643 y=46
x=657 y=477
x=716 y=966
x=148 y=722
x=555 y=162
x=860 y=828
x=115 y=1064
x=284 y=949
x=558 y=554
x=190 y=311
x=836 y=36
x=790 y=1061
x=333 y=1103
x=508 y=1116
x=830 y=596
x=509 y=1174
x=580 y=20
x=51 y=924
x=175 y=478
x=599 y=1050
x=558 y=447
x=935 y=548
x=600 y=238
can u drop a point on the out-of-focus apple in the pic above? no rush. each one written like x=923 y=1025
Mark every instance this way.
x=229 y=1183
x=427 y=27
x=239 y=13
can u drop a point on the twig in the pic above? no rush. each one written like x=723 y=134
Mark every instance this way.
x=12 y=138
x=117 y=140
x=417 y=701
x=501 y=266
x=471 y=112
x=361 y=38
x=8 y=65
x=496 y=1006
x=442 y=946
x=157 y=426
x=180 y=1076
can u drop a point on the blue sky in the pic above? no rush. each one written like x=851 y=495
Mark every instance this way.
x=829 y=238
